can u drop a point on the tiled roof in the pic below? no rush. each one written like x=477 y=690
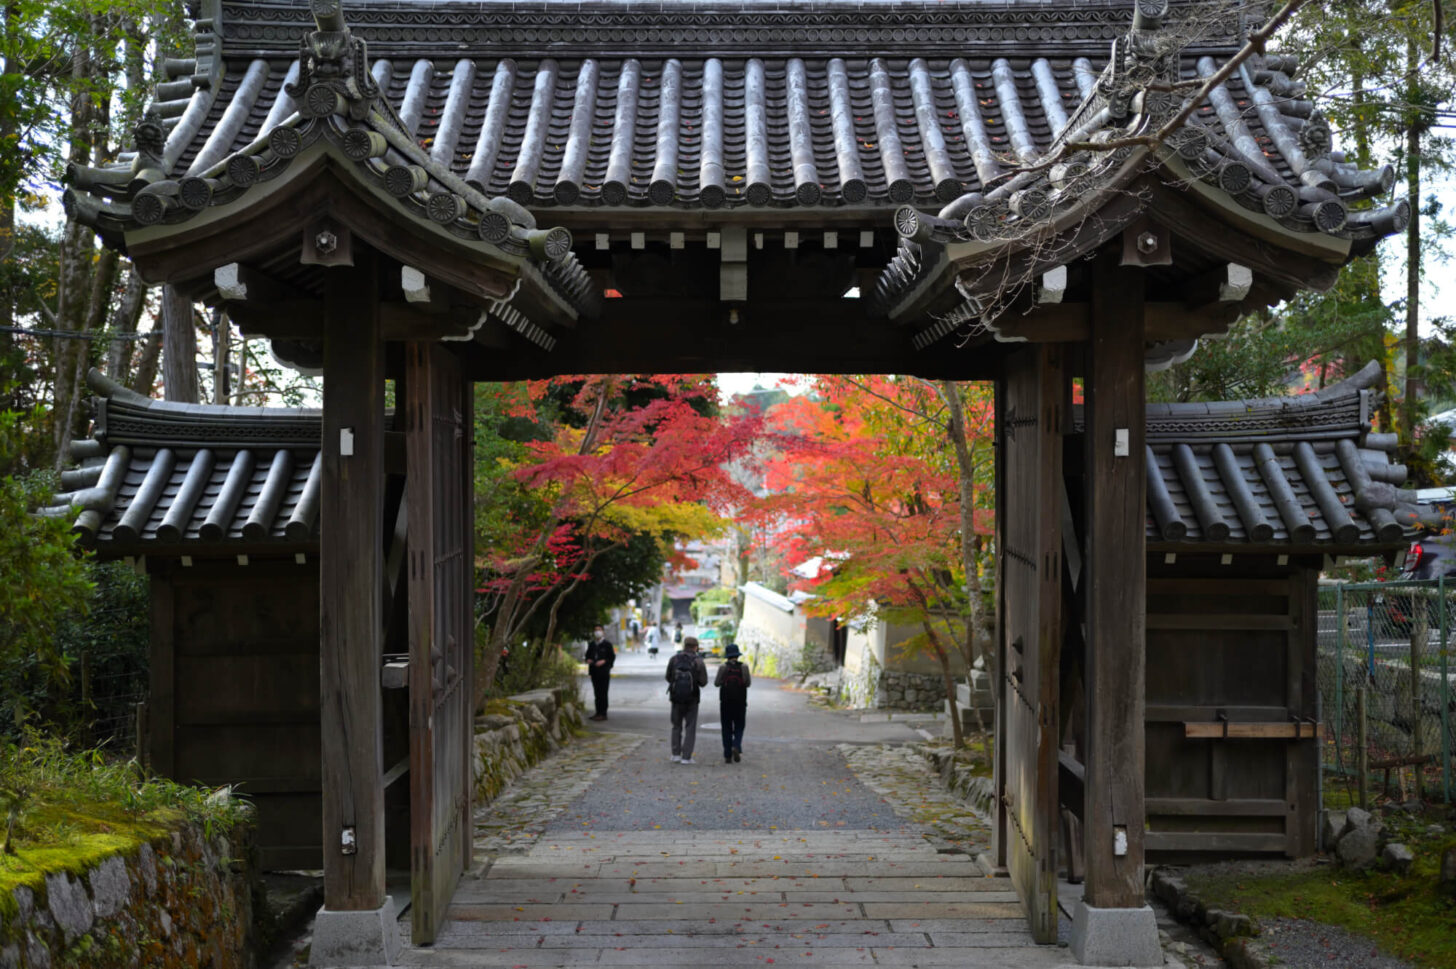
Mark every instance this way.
x=1300 y=472
x=1303 y=471
x=722 y=105
x=224 y=129
x=158 y=474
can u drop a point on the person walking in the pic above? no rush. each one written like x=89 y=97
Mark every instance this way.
x=686 y=676
x=600 y=657
x=733 y=681
x=652 y=641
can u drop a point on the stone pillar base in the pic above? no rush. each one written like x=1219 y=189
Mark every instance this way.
x=1115 y=936
x=355 y=939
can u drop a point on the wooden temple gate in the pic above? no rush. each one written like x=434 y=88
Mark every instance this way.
x=727 y=195
x=1030 y=418
x=440 y=428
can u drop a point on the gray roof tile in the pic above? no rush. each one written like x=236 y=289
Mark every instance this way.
x=1277 y=474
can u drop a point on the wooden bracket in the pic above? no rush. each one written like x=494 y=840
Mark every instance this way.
x=1228 y=283
x=238 y=283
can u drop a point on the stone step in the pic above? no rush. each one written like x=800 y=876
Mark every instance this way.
x=683 y=957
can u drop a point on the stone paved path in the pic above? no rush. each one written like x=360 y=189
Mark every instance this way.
x=812 y=851
x=555 y=885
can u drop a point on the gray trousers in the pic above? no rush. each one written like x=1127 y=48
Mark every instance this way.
x=684 y=729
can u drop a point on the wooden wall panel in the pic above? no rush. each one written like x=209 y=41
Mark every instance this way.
x=234 y=696
x=1220 y=795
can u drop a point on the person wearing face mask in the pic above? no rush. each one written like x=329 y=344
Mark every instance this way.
x=600 y=655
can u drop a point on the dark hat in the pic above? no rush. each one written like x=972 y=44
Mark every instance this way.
x=731 y=652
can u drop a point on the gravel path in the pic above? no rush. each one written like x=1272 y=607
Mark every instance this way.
x=787 y=786
x=1302 y=944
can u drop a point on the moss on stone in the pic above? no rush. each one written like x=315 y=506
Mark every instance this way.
x=1406 y=915
x=80 y=837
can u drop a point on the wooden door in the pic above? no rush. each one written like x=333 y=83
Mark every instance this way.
x=1031 y=448
x=438 y=428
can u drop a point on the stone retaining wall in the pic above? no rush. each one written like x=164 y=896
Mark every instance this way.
x=767 y=655
x=873 y=687
x=515 y=733
x=969 y=783
x=180 y=901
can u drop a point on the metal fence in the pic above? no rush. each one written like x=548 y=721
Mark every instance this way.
x=1387 y=689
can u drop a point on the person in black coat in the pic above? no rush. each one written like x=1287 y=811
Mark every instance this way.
x=600 y=655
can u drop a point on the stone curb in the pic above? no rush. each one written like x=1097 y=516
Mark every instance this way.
x=1235 y=936
x=961 y=780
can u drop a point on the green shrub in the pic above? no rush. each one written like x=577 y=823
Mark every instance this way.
x=65 y=810
x=536 y=666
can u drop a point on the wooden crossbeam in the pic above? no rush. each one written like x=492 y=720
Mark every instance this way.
x=1070 y=322
x=1221 y=730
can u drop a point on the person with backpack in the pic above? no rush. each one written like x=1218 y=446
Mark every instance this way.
x=686 y=676
x=733 y=681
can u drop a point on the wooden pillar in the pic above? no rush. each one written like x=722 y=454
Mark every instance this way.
x=1116 y=573
x=350 y=576
x=998 y=687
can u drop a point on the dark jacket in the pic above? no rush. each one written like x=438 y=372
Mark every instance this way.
x=700 y=672
x=600 y=650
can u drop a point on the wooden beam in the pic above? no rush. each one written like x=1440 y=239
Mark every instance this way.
x=1250 y=807
x=290 y=319
x=1219 y=730
x=407 y=321
x=302 y=319
x=1116 y=596
x=1230 y=841
x=675 y=335
x=1071 y=322
x=350 y=575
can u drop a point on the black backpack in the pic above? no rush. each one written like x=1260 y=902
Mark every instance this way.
x=733 y=691
x=684 y=686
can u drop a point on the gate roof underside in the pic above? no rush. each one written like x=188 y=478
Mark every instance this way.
x=1284 y=475
x=654 y=131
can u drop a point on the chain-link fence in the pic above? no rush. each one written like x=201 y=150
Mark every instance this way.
x=1387 y=690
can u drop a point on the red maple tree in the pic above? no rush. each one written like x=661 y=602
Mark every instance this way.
x=886 y=479
x=625 y=454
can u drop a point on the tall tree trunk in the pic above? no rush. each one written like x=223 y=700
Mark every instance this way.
x=1415 y=121
x=8 y=134
x=223 y=390
x=179 y=347
x=966 y=465
x=122 y=350
x=144 y=379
